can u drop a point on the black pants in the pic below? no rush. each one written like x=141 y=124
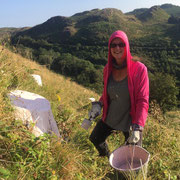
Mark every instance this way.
x=100 y=134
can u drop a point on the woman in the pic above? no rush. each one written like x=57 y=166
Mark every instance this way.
x=125 y=98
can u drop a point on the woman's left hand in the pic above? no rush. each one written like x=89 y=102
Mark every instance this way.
x=134 y=137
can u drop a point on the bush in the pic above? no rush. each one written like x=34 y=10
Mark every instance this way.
x=163 y=90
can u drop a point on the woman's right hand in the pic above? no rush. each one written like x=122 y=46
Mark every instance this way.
x=95 y=110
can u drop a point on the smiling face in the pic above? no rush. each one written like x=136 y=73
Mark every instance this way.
x=118 y=50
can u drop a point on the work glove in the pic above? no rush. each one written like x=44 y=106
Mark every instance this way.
x=93 y=113
x=135 y=130
x=134 y=137
x=95 y=110
x=86 y=124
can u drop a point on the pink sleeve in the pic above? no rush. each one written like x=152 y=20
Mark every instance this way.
x=101 y=99
x=104 y=72
x=141 y=96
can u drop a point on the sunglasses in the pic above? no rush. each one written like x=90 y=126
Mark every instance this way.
x=119 y=45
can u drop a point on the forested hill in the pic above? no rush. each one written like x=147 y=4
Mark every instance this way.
x=76 y=46
x=169 y=8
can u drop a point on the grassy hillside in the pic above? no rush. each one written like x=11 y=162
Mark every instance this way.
x=155 y=13
x=23 y=156
x=169 y=8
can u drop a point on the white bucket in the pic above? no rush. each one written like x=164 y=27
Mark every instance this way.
x=130 y=160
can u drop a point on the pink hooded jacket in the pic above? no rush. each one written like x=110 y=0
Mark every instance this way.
x=138 y=84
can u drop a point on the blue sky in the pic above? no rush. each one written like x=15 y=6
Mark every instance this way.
x=22 y=13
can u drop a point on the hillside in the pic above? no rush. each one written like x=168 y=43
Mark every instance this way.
x=92 y=29
x=22 y=156
x=6 y=33
x=155 y=13
x=88 y=27
x=76 y=46
x=91 y=26
x=169 y=8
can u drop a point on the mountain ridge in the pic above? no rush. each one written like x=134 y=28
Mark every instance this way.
x=61 y=28
x=169 y=8
x=155 y=13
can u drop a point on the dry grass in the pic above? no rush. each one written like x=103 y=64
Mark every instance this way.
x=63 y=161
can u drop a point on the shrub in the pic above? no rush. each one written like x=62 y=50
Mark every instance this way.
x=163 y=90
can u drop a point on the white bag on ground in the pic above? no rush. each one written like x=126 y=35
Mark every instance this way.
x=37 y=78
x=33 y=108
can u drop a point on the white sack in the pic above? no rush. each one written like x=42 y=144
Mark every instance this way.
x=37 y=78
x=33 y=108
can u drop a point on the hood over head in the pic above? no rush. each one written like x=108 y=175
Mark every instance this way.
x=122 y=35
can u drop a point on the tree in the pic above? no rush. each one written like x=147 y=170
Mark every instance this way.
x=163 y=89
x=46 y=56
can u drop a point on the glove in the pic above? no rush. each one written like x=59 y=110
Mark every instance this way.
x=86 y=124
x=95 y=110
x=134 y=137
x=135 y=130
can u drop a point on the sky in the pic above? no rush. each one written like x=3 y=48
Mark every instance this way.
x=28 y=13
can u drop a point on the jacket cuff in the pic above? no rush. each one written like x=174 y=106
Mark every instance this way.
x=136 y=127
x=97 y=102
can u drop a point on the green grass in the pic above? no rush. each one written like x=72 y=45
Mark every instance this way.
x=24 y=156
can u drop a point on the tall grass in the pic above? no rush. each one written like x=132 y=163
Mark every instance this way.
x=24 y=156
